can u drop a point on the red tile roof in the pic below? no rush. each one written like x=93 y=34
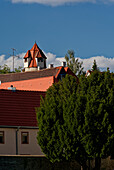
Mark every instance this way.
x=38 y=84
x=34 y=80
x=18 y=108
x=34 y=53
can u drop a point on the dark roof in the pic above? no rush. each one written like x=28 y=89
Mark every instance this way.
x=18 y=108
x=28 y=75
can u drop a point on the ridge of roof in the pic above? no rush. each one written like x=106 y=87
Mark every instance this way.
x=35 y=47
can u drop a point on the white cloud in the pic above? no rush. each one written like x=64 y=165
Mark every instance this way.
x=9 y=61
x=52 y=2
x=102 y=62
x=61 y=2
x=51 y=59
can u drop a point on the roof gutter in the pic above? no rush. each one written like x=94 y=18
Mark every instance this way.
x=20 y=127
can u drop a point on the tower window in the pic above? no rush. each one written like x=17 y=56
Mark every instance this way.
x=40 y=59
x=25 y=59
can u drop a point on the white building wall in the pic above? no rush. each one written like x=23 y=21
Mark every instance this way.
x=41 y=64
x=31 y=69
x=9 y=146
x=25 y=64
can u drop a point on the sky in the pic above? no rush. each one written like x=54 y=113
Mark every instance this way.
x=85 y=26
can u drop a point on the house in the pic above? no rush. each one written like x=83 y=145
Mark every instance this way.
x=18 y=124
x=20 y=93
x=36 y=76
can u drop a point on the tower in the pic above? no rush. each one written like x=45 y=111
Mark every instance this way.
x=34 y=59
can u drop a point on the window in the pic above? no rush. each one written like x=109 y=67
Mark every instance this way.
x=25 y=60
x=40 y=59
x=24 y=137
x=1 y=137
x=61 y=76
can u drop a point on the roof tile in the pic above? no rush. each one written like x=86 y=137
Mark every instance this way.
x=18 y=108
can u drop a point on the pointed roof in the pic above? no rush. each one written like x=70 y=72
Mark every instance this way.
x=35 y=47
x=27 y=54
x=35 y=52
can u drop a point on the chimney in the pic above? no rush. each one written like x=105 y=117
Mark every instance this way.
x=51 y=65
x=64 y=64
x=12 y=88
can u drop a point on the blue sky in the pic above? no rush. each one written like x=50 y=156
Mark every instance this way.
x=85 y=27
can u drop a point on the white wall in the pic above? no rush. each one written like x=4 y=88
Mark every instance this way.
x=9 y=147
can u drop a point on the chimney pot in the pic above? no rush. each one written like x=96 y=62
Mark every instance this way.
x=64 y=64
x=51 y=65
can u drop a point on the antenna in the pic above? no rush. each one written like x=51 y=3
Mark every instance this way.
x=14 y=57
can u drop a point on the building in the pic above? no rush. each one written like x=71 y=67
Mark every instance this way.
x=18 y=124
x=36 y=76
x=34 y=59
x=20 y=93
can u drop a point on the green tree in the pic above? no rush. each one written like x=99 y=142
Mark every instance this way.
x=94 y=67
x=4 y=69
x=76 y=120
x=96 y=117
x=74 y=63
x=58 y=135
x=19 y=69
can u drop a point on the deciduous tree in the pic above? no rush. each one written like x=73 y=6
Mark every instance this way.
x=74 y=63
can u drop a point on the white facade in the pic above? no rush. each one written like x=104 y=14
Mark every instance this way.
x=27 y=62
x=13 y=142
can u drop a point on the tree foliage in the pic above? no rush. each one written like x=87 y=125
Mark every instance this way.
x=74 y=63
x=58 y=135
x=94 y=67
x=97 y=131
x=5 y=69
x=19 y=69
x=76 y=120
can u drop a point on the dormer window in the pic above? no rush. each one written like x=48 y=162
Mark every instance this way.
x=25 y=60
x=40 y=59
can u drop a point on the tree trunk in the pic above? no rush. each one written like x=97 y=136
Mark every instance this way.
x=88 y=164
x=97 y=163
x=84 y=166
